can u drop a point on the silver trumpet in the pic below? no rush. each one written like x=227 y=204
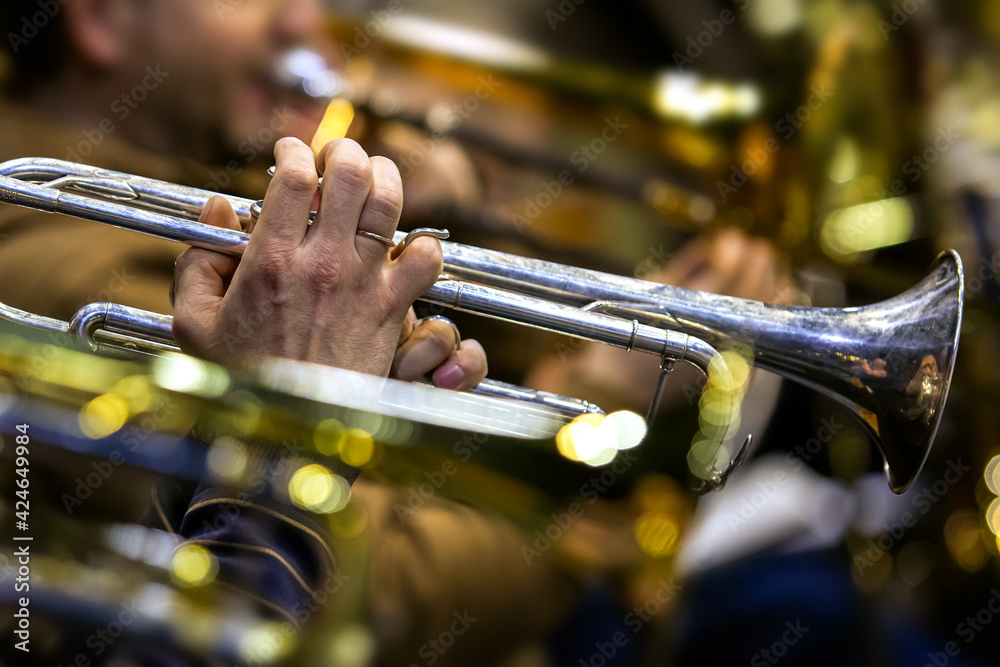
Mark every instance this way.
x=890 y=363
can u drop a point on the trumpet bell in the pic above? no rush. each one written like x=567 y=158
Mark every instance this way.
x=896 y=372
x=890 y=363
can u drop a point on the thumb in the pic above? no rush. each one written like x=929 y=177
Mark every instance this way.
x=414 y=270
x=202 y=276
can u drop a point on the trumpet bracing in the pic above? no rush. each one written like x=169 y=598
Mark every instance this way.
x=890 y=363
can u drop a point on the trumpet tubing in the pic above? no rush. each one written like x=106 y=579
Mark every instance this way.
x=890 y=363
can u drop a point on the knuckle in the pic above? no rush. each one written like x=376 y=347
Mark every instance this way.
x=386 y=169
x=300 y=179
x=270 y=268
x=349 y=165
x=385 y=202
x=184 y=261
x=184 y=329
x=324 y=275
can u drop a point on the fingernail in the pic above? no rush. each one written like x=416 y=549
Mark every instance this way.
x=449 y=376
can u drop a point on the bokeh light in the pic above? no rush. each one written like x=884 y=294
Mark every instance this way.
x=315 y=488
x=227 y=460
x=657 y=534
x=189 y=375
x=992 y=475
x=595 y=439
x=193 y=565
x=103 y=416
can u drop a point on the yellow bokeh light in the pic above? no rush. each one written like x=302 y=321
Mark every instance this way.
x=357 y=448
x=193 y=565
x=629 y=428
x=583 y=439
x=963 y=536
x=867 y=226
x=266 y=643
x=227 y=460
x=718 y=408
x=727 y=372
x=328 y=435
x=705 y=455
x=603 y=457
x=373 y=423
x=993 y=516
x=352 y=646
x=190 y=376
x=103 y=416
x=992 y=475
x=7 y=393
x=739 y=368
x=136 y=391
x=564 y=443
x=657 y=534
x=248 y=412
x=315 y=488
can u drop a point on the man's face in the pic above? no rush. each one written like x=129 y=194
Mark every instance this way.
x=216 y=58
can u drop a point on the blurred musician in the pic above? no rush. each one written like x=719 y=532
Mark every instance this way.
x=167 y=89
x=180 y=91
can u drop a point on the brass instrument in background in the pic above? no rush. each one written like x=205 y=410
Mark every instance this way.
x=889 y=363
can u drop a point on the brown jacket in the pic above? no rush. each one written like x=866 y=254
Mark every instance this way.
x=52 y=265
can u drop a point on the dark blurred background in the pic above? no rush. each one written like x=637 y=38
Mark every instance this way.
x=859 y=139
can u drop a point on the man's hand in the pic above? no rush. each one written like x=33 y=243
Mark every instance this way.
x=322 y=292
x=729 y=263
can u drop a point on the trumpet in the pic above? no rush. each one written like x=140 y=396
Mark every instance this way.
x=889 y=363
